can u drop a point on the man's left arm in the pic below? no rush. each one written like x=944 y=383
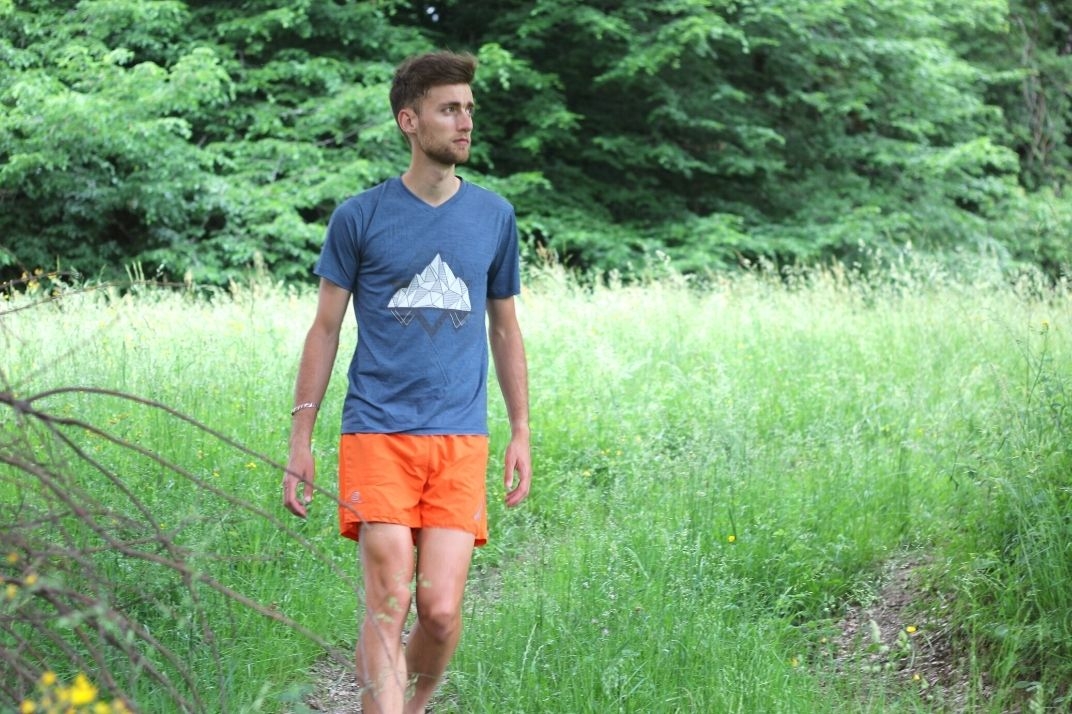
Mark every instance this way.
x=511 y=369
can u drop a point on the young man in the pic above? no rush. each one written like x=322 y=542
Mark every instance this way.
x=423 y=256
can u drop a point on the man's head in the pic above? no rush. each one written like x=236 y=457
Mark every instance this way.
x=417 y=75
x=433 y=105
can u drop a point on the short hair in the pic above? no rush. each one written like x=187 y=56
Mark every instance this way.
x=415 y=76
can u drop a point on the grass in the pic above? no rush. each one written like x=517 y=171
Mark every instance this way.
x=721 y=470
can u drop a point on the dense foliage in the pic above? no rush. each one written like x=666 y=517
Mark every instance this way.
x=202 y=138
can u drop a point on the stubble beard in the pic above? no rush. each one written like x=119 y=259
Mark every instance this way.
x=446 y=153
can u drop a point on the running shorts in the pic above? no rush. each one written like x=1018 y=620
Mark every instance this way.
x=417 y=481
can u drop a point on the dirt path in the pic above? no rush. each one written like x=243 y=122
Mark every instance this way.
x=336 y=690
x=899 y=642
x=902 y=641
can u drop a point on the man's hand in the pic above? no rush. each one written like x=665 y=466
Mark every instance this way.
x=300 y=470
x=517 y=471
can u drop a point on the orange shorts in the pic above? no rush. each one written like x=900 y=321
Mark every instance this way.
x=415 y=481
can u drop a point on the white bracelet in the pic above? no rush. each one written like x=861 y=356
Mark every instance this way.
x=306 y=405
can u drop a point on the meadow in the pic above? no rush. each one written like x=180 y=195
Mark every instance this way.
x=727 y=471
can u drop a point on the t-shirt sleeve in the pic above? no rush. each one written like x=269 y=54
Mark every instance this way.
x=340 y=254
x=504 y=276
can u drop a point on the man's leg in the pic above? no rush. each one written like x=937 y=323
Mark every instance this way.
x=387 y=564
x=443 y=558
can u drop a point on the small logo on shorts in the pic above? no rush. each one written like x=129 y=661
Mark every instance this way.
x=355 y=497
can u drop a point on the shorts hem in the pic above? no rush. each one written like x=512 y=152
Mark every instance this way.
x=478 y=539
x=351 y=528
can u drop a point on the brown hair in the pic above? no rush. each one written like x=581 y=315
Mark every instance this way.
x=417 y=75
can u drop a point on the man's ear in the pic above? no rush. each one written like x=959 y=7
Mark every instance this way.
x=407 y=120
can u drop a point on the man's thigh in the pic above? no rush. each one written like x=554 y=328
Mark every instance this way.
x=443 y=558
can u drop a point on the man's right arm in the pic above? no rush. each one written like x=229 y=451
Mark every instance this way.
x=314 y=373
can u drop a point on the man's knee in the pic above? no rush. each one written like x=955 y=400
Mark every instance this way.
x=440 y=618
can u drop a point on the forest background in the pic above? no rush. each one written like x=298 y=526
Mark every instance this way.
x=201 y=139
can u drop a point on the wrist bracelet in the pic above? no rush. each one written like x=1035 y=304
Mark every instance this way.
x=305 y=405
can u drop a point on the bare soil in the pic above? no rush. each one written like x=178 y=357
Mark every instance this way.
x=901 y=642
x=336 y=689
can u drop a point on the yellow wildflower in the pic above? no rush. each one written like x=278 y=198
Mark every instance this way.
x=11 y=591
x=48 y=679
x=12 y=558
x=911 y=629
x=27 y=707
x=731 y=538
x=31 y=580
x=82 y=691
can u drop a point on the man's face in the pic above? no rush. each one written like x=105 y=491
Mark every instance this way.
x=444 y=125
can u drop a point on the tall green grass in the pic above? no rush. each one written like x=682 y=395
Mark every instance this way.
x=721 y=469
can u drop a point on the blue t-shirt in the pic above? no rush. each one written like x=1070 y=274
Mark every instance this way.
x=420 y=277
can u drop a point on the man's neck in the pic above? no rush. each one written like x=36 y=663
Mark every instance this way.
x=432 y=184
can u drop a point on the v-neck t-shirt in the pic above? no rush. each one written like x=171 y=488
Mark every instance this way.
x=420 y=276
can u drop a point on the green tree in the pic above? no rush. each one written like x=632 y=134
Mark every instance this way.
x=207 y=137
x=1029 y=75
x=714 y=128
x=98 y=166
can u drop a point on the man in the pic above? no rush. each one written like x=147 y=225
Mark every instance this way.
x=424 y=256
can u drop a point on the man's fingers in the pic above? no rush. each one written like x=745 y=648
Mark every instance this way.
x=517 y=487
x=295 y=499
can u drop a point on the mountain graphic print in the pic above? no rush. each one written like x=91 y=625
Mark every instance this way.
x=434 y=295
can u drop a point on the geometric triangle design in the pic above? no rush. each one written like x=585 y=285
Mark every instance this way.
x=434 y=288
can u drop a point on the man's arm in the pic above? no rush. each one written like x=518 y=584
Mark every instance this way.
x=314 y=373
x=511 y=369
